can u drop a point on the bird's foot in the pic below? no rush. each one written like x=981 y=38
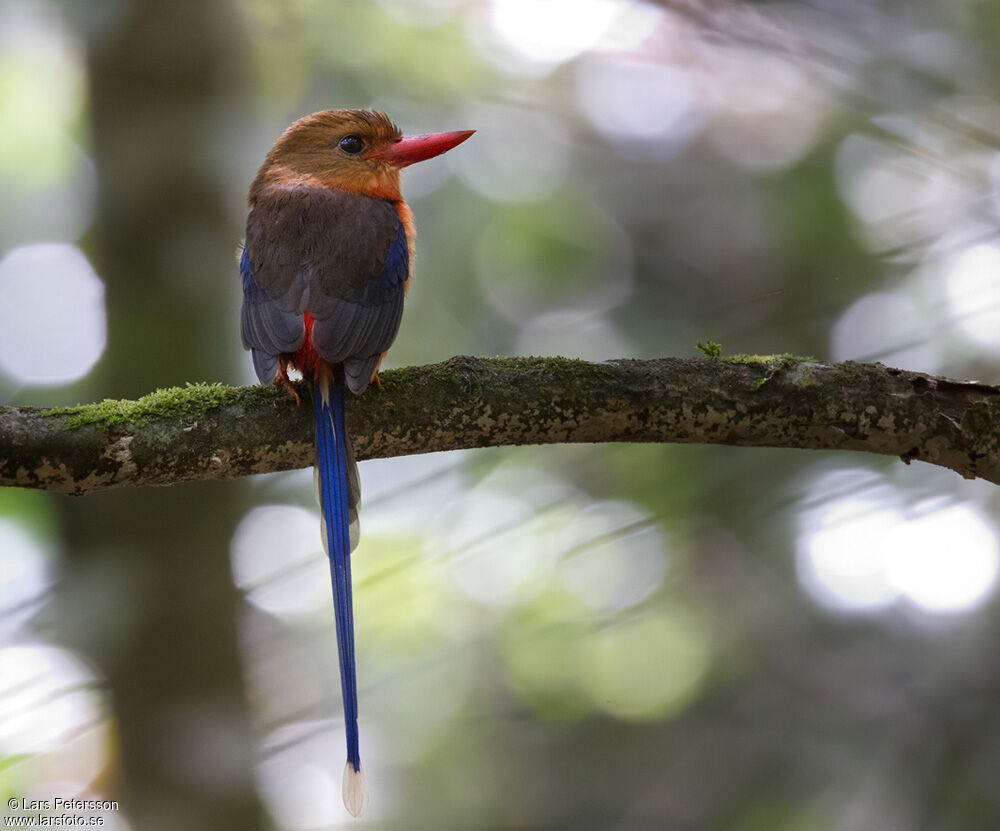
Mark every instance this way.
x=281 y=380
x=377 y=382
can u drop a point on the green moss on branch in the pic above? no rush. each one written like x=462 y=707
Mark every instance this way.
x=169 y=403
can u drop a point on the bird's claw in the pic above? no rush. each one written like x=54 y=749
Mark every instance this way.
x=281 y=380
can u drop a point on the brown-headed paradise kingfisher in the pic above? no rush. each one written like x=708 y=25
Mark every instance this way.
x=325 y=267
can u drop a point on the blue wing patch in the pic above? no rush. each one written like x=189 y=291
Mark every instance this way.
x=391 y=279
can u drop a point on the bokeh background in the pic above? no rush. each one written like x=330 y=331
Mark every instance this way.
x=621 y=637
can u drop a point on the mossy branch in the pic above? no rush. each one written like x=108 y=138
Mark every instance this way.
x=215 y=432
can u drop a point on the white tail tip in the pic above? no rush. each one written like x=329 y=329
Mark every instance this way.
x=355 y=790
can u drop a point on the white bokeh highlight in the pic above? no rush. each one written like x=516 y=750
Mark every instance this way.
x=490 y=545
x=25 y=574
x=642 y=102
x=615 y=557
x=944 y=561
x=972 y=283
x=862 y=549
x=44 y=700
x=299 y=776
x=767 y=112
x=53 y=322
x=840 y=561
x=886 y=326
x=405 y=495
x=899 y=197
x=277 y=558
x=502 y=537
x=551 y=31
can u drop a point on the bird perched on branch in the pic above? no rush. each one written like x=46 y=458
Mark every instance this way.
x=325 y=267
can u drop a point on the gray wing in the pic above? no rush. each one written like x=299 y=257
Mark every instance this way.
x=340 y=257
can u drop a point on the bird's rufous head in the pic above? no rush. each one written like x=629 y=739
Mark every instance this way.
x=354 y=150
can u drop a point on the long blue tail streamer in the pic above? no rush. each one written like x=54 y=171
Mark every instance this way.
x=332 y=443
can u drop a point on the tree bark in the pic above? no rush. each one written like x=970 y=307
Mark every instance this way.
x=216 y=432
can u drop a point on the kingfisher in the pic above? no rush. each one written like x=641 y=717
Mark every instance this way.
x=326 y=265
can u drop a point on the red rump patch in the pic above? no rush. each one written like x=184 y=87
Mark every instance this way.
x=305 y=358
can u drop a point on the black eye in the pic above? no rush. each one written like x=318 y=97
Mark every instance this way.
x=352 y=144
